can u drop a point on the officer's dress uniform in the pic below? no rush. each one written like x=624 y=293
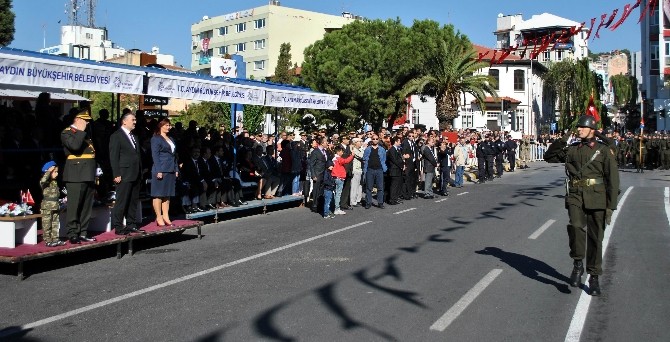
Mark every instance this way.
x=79 y=178
x=593 y=188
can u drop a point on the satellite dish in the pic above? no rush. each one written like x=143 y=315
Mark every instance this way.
x=500 y=15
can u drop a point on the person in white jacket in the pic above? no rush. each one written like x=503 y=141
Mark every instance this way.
x=356 y=192
x=460 y=160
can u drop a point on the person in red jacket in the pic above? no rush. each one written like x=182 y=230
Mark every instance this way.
x=340 y=174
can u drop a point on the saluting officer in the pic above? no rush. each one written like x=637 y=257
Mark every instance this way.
x=79 y=177
x=592 y=196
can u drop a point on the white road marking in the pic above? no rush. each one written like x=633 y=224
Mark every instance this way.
x=404 y=211
x=462 y=304
x=442 y=200
x=462 y=193
x=667 y=203
x=541 y=229
x=579 y=317
x=168 y=283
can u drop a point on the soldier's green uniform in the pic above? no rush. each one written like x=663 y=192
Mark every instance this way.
x=49 y=208
x=665 y=153
x=639 y=150
x=79 y=177
x=622 y=152
x=593 y=189
x=524 y=153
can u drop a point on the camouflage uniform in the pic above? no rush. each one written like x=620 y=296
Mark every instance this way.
x=524 y=152
x=49 y=208
x=665 y=153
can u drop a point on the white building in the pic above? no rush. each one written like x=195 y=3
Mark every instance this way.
x=257 y=34
x=85 y=43
x=519 y=84
x=513 y=31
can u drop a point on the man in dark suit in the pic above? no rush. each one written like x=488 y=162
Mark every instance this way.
x=396 y=165
x=410 y=154
x=79 y=177
x=429 y=166
x=511 y=146
x=125 y=159
x=317 y=165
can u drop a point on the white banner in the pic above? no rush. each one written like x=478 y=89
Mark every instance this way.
x=284 y=99
x=23 y=70
x=203 y=90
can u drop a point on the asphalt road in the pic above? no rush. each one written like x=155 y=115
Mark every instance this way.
x=488 y=263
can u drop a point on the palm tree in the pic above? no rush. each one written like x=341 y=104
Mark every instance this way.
x=454 y=71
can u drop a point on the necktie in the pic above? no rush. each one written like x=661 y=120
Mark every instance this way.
x=132 y=140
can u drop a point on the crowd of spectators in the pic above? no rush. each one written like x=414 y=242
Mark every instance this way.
x=216 y=168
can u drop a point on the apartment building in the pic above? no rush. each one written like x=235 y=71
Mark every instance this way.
x=654 y=60
x=256 y=34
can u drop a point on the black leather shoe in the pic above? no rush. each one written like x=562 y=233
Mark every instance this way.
x=576 y=275
x=87 y=239
x=74 y=240
x=210 y=206
x=429 y=197
x=393 y=203
x=594 y=286
x=348 y=208
x=380 y=206
x=199 y=209
x=243 y=203
x=122 y=232
x=367 y=206
x=137 y=230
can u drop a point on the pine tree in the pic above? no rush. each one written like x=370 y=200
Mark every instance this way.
x=283 y=68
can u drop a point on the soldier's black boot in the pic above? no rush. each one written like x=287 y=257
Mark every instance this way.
x=594 y=286
x=577 y=272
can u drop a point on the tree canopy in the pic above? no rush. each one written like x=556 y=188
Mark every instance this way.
x=368 y=63
x=6 y=22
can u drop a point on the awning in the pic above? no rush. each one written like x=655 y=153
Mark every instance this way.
x=31 y=94
x=174 y=84
x=287 y=96
x=19 y=67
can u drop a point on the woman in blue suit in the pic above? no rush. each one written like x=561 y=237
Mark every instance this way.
x=164 y=172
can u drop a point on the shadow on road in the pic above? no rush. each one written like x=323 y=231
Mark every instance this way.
x=529 y=267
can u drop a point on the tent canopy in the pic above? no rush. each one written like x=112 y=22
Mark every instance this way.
x=34 y=69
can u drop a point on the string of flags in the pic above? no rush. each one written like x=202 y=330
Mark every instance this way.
x=541 y=44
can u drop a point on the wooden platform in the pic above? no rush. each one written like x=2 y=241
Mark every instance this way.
x=25 y=252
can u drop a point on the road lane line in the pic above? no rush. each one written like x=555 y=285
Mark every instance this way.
x=462 y=193
x=667 y=203
x=404 y=211
x=442 y=200
x=541 y=229
x=168 y=283
x=462 y=304
x=582 y=309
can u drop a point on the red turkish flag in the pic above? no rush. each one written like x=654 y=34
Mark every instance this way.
x=592 y=110
x=29 y=198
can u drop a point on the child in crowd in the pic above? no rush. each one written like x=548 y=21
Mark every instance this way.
x=339 y=175
x=328 y=185
x=50 y=206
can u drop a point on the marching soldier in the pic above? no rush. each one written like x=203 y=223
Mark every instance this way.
x=622 y=152
x=665 y=153
x=524 y=154
x=593 y=189
x=79 y=177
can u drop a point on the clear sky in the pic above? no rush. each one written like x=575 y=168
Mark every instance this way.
x=167 y=23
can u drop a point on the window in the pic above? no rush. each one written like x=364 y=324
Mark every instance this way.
x=206 y=34
x=259 y=65
x=559 y=55
x=492 y=115
x=546 y=56
x=654 y=50
x=415 y=116
x=89 y=36
x=495 y=74
x=519 y=80
x=241 y=27
x=223 y=31
x=259 y=23
x=259 y=44
x=467 y=121
x=223 y=50
x=241 y=47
